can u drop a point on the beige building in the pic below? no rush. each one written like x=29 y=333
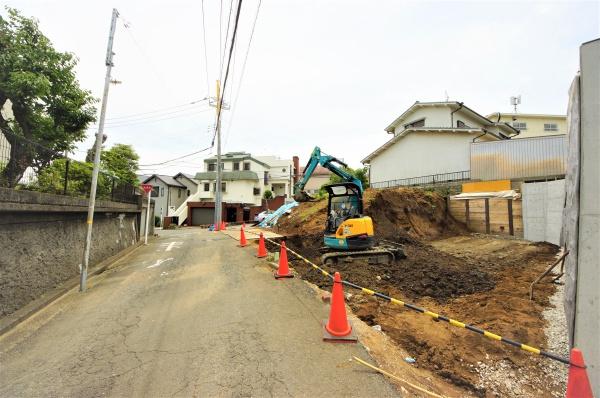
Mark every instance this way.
x=532 y=125
x=320 y=177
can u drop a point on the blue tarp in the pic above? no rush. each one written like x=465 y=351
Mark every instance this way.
x=271 y=219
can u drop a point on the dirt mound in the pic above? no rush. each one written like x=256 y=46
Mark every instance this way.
x=398 y=214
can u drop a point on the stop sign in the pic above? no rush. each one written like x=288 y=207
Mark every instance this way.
x=146 y=187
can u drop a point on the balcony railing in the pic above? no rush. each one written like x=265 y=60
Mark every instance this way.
x=423 y=181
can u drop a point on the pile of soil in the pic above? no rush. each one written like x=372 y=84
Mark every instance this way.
x=398 y=214
x=425 y=272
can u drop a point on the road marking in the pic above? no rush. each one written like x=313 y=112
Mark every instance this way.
x=171 y=245
x=159 y=262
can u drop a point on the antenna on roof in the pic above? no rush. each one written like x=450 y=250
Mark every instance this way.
x=514 y=101
x=446 y=95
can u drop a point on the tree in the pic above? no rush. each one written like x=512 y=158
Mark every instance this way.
x=360 y=173
x=48 y=105
x=121 y=161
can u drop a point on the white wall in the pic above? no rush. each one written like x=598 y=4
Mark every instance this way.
x=439 y=116
x=423 y=153
x=239 y=191
x=543 y=204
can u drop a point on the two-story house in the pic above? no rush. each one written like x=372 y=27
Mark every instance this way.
x=532 y=124
x=431 y=142
x=168 y=193
x=245 y=178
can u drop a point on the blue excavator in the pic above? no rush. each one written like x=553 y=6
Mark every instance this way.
x=349 y=234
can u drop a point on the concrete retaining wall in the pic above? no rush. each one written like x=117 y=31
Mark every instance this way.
x=543 y=204
x=42 y=238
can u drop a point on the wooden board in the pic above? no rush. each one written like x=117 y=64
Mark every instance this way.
x=497 y=215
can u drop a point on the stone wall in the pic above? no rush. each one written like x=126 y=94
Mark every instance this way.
x=42 y=238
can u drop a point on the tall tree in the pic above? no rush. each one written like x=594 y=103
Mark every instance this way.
x=121 y=161
x=48 y=105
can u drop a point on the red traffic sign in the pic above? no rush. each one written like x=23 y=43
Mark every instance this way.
x=146 y=187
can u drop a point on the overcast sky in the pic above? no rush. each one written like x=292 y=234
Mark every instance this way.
x=326 y=73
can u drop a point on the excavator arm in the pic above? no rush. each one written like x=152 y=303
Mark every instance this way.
x=329 y=162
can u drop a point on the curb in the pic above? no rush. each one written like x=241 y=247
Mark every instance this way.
x=10 y=321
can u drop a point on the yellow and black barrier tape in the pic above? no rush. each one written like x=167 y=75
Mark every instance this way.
x=433 y=315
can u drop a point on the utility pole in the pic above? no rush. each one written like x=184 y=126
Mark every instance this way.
x=220 y=105
x=218 y=198
x=98 y=149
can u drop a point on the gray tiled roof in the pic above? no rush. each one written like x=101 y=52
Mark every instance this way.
x=167 y=180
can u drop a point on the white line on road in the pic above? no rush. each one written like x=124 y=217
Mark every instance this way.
x=159 y=262
x=171 y=245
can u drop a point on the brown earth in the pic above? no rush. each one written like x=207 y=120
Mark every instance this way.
x=478 y=279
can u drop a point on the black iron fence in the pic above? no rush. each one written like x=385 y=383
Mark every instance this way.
x=425 y=181
x=28 y=165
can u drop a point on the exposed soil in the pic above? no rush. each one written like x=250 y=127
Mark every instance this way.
x=478 y=279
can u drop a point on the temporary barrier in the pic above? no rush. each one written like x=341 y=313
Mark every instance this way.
x=283 y=271
x=337 y=328
x=262 y=250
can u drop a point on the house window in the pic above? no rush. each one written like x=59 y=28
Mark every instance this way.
x=461 y=124
x=212 y=167
x=236 y=166
x=266 y=177
x=206 y=186
x=283 y=170
x=188 y=192
x=223 y=187
x=550 y=127
x=520 y=125
x=246 y=166
x=162 y=191
x=179 y=193
x=155 y=190
x=256 y=191
x=222 y=166
x=416 y=123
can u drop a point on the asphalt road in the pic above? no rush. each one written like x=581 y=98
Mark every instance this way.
x=191 y=314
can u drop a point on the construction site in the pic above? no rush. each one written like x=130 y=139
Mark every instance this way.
x=482 y=280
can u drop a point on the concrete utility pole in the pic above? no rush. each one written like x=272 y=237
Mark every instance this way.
x=98 y=149
x=218 y=198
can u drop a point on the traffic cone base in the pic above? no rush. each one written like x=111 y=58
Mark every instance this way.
x=349 y=338
x=283 y=271
x=337 y=328
x=262 y=250
x=578 y=384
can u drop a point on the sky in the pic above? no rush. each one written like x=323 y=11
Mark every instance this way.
x=331 y=74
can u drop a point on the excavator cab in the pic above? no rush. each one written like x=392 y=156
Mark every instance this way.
x=347 y=228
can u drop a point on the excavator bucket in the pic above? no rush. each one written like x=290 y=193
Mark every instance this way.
x=302 y=196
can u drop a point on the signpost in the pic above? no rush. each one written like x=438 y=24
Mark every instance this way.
x=147 y=188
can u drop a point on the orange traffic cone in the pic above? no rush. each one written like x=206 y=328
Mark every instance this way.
x=223 y=226
x=243 y=241
x=578 y=384
x=283 y=271
x=216 y=229
x=338 y=328
x=262 y=250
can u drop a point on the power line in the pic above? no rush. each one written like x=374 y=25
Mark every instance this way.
x=222 y=60
x=239 y=89
x=154 y=117
x=205 y=53
x=134 y=115
x=177 y=158
x=124 y=124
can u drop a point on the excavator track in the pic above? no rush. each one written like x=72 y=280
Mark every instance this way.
x=384 y=254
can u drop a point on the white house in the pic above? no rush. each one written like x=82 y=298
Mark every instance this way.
x=168 y=194
x=431 y=142
x=245 y=178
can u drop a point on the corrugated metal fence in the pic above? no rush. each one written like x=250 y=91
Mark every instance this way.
x=539 y=157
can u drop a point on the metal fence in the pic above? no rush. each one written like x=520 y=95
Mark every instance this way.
x=424 y=181
x=520 y=158
x=31 y=166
